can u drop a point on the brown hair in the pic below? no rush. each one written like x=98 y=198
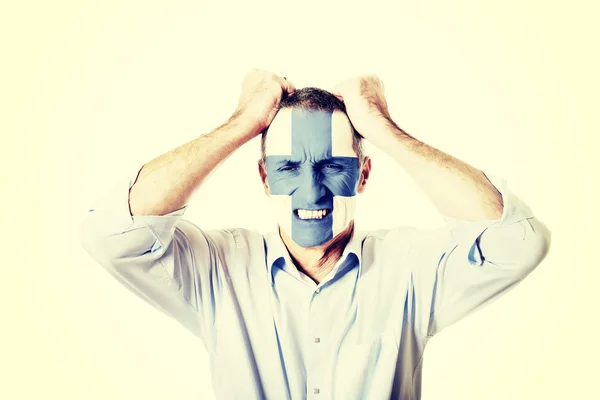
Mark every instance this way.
x=314 y=99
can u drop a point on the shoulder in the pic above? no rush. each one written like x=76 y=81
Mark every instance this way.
x=406 y=234
x=407 y=237
x=224 y=241
x=383 y=235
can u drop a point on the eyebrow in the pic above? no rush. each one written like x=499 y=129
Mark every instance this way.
x=284 y=162
x=338 y=160
x=332 y=160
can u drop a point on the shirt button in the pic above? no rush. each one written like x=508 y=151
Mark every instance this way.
x=316 y=390
x=317 y=340
x=318 y=290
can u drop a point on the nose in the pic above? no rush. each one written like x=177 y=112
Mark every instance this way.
x=312 y=188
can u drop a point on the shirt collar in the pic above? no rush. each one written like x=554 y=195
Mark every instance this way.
x=277 y=252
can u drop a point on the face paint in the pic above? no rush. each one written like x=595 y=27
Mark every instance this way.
x=313 y=174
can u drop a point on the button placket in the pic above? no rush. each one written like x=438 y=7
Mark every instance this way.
x=316 y=351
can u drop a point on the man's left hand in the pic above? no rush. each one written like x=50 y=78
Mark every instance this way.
x=365 y=104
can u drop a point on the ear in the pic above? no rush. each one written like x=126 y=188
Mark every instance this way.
x=364 y=174
x=263 y=177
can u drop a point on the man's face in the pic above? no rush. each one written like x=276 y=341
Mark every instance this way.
x=313 y=174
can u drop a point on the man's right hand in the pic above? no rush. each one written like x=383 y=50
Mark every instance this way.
x=166 y=183
x=262 y=92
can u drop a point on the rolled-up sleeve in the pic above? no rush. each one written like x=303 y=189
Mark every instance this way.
x=171 y=265
x=480 y=261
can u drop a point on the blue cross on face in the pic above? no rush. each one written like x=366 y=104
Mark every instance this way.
x=313 y=173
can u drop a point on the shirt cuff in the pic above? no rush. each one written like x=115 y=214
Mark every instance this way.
x=114 y=215
x=466 y=233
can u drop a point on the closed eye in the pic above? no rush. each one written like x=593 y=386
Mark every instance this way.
x=288 y=168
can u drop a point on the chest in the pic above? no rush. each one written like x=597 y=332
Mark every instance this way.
x=350 y=329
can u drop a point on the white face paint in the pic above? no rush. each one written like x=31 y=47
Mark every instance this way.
x=311 y=165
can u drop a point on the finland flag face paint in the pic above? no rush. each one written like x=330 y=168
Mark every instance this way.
x=313 y=174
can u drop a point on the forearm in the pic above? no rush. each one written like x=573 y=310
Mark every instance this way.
x=457 y=189
x=166 y=183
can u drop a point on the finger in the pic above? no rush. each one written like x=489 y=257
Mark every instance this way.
x=337 y=93
x=286 y=85
x=289 y=86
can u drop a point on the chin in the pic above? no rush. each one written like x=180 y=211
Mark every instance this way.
x=307 y=243
x=312 y=241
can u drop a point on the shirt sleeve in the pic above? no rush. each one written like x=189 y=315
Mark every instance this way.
x=477 y=262
x=164 y=260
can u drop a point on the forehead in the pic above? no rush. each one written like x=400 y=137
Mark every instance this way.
x=297 y=132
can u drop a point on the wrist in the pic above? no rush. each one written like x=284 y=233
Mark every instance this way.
x=381 y=130
x=244 y=125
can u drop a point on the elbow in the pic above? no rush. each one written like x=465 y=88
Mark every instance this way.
x=99 y=242
x=537 y=245
x=90 y=239
x=519 y=247
x=112 y=245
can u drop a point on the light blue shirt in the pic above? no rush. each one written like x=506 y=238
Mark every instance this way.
x=273 y=333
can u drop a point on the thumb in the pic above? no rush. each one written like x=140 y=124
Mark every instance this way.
x=338 y=95
x=337 y=92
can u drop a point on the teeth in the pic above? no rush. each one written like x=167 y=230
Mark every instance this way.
x=311 y=214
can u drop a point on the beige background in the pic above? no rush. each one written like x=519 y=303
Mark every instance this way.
x=91 y=90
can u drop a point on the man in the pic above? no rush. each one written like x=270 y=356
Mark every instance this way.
x=318 y=309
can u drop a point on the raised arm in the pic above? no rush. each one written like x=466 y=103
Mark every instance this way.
x=491 y=240
x=136 y=231
x=456 y=189
x=166 y=183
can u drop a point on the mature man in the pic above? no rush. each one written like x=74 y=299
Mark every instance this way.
x=318 y=309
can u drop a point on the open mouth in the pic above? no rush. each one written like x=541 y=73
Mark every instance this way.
x=312 y=214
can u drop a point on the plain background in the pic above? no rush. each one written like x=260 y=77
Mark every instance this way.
x=92 y=90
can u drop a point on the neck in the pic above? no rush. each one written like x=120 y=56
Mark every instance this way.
x=318 y=261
